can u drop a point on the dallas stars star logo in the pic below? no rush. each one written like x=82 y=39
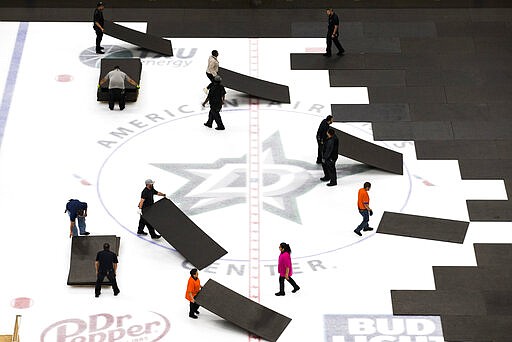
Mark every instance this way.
x=223 y=183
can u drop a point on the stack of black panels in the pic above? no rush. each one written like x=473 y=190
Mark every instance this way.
x=131 y=66
x=83 y=256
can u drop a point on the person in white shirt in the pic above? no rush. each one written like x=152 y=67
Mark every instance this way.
x=213 y=66
x=116 y=80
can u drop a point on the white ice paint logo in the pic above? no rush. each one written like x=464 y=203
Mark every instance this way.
x=182 y=57
x=104 y=327
x=382 y=329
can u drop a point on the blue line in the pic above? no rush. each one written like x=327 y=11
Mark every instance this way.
x=12 y=75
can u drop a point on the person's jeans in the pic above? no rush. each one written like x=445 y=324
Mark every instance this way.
x=74 y=230
x=81 y=224
x=366 y=217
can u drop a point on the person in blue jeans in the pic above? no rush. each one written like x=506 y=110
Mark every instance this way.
x=363 y=205
x=77 y=211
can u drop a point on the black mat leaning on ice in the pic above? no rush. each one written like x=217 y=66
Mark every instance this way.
x=242 y=311
x=143 y=40
x=369 y=153
x=83 y=256
x=423 y=227
x=131 y=66
x=183 y=234
x=254 y=86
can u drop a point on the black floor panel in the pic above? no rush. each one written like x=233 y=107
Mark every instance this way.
x=423 y=227
x=498 y=211
x=369 y=153
x=183 y=234
x=485 y=278
x=483 y=130
x=460 y=149
x=146 y=41
x=406 y=94
x=83 y=256
x=255 y=86
x=371 y=112
x=435 y=303
x=400 y=29
x=418 y=130
x=452 y=112
x=485 y=169
x=366 y=78
x=479 y=328
x=399 y=61
x=315 y=61
x=493 y=254
x=241 y=311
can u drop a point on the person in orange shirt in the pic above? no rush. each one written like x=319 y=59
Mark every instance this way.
x=193 y=288
x=363 y=204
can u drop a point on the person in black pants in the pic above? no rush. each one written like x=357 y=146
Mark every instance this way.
x=215 y=97
x=333 y=33
x=106 y=265
x=116 y=87
x=329 y=158
x=321 y=136
x=98 y=23
x=146 y=200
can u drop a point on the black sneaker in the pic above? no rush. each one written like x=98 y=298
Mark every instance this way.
x=296 y=289
x=196 y=312
x=116 y=293
x=142 y=233
x=332 y=184
x=279 y=293
x=192 y=316
x=341 y=53
x=358 y=233
x=326 y=55
x=156 y=236
x=100 y=52
x=85 y=233
x=97 y=295
x=220 y=128
x=209 y=126
x=325 y=179
x=367 y=229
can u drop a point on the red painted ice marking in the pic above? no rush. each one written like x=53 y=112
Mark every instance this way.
x=22 y=302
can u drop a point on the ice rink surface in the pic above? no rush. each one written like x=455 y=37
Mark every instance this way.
x=60 y=143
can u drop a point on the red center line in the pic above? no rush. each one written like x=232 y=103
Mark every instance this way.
x=254 y=177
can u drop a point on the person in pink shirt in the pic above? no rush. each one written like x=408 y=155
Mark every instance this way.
x=284 y=267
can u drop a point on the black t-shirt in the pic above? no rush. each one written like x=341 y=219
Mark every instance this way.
x=107 y=259
x=331 y=148
x=98 y=17
x=333 y=21
x=216 y=94
x=321 y=133
x=147 y=195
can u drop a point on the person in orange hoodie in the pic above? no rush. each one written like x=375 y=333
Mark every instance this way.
x=193 y=288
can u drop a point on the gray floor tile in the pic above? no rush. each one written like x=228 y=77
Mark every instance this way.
x=482 y=130
x=495 y=211
x=400 y=29
x=406 y=94
x=423 y=227
x=437 y=45
x=419 y=130
x=451 y=112
x=366 y=78
x=459 y=149
x=315 y=61
x=371 y=112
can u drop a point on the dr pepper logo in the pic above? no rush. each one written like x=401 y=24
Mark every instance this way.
x=104 y=327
